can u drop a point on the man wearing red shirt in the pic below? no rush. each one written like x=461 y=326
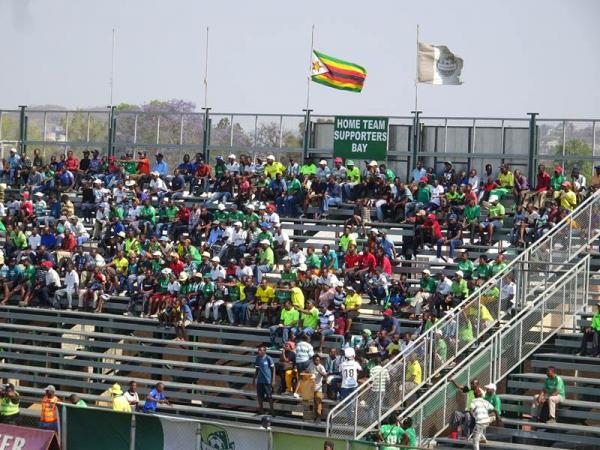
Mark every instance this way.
x=542 y=185
x=71 y=162
x=176 y=265
x=352 y=259
x=367 y=261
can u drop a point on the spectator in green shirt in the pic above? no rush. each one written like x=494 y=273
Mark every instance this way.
x=552 y=394
x=427 y=283
x=308 y=168
x=459 y=288
x=288 y=322
x=265 y=259
x=494 y=399
x=494 y=219
x=592 y=333
x=465 y=265
x=309 y=318
x=471 y=217
x=147 y=216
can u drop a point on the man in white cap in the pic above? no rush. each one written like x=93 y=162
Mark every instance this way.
x=237 y=240
x=272 y=168
x=216 y=271
x=265 y=259
x=350 y=370
x=157 y=185
x=322 y=171
x=459 y=290
x=495 y=219
x=494 y=399
x=232 y=165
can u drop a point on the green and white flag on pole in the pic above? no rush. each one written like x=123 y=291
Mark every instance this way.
x=436 y=64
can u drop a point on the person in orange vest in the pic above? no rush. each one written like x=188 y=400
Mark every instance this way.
x=49 y=416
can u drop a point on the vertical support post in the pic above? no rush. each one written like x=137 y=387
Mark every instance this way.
x=111 y=138
x=206 y=134
x=533 y=146
x=22 y=129
x=306 y=143
x=416 y=137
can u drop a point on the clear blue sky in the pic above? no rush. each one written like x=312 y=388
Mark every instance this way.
x=520 y=56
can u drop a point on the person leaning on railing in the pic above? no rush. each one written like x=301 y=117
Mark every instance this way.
x=591 y=334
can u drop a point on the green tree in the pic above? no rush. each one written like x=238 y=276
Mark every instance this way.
x=575 y=148
x=78 y=127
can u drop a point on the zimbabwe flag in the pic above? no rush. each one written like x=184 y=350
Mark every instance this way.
x=337 y=73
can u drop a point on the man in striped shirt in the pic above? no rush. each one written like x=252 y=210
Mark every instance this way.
x=381 y=377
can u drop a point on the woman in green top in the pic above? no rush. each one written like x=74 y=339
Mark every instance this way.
x=494 y=399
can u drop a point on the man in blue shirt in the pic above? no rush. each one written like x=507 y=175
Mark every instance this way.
x=419 y=172
x=160 y=166
x=333 y=194
x=264 y=379
x=155 y=396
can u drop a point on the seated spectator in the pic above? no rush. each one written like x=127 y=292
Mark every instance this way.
x=544 y=404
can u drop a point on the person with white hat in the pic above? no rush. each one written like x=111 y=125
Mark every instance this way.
x=492 y=397
x=272 y=168
x=216 y=271
x=265 y=259
x=232 y=165
x=350 y=371
x=323 y=171
x=494 y=221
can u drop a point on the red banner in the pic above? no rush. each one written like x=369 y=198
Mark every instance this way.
x=21 y=438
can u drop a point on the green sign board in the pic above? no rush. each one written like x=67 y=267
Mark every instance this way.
x=360 y=137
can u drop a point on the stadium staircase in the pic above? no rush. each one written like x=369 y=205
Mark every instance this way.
x=553 y=265
x=578 y=417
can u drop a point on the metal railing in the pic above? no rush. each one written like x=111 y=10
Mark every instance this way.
x=554 y=308
x=526 y=275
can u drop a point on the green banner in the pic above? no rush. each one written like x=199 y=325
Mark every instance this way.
x=95 y=429
x=357 y=137
x=289 y=441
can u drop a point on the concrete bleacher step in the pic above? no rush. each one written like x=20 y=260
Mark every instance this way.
x=446 y=443
x=566 y=362
x=571 y=409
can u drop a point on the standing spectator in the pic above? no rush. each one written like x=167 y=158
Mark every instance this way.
x=264 y=379
x=592 y=333
x=480 y=409
x=119 y=402
x=461 y=422
x=49 y=413
x=349 y=370
x=9 y=405
x=155 y=397
x=132 y=396
x=318 y=373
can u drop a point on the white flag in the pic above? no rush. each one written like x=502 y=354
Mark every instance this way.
x=438 y=65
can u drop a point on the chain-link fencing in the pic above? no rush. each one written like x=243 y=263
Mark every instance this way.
x=460 y=329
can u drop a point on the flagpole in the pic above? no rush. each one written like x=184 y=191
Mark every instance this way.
x=112 y=67
x=206 y=72
x=312 y=42
x=417 y=74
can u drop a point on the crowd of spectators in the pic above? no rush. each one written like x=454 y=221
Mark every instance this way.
x=80 y=232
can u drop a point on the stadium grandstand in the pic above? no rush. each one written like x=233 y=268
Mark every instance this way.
x=225 y=280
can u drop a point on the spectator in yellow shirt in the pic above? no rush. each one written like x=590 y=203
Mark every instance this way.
x=506 y=178
x=120 y=263
x=352 y=304
x=568 y=198
x=272 y=168
x=265 y=296
x=414 y=373
x=119 y=402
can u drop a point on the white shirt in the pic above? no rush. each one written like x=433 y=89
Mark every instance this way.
x=245 y=271
x=34 y=241
x=436 y=193
x=273 y=217
x=318 y=372
x=474 y=182
x=304 y=351
x=283 y=239
x=297 y=258
x=71 y=280
x=508 y=291
x=349 y=370
x=52 y=277
x=444 y=286
x=481 y=410
x=132 y=397
x=233 y=167
x=216 y=273
x=158 y=185
x=238 y=237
